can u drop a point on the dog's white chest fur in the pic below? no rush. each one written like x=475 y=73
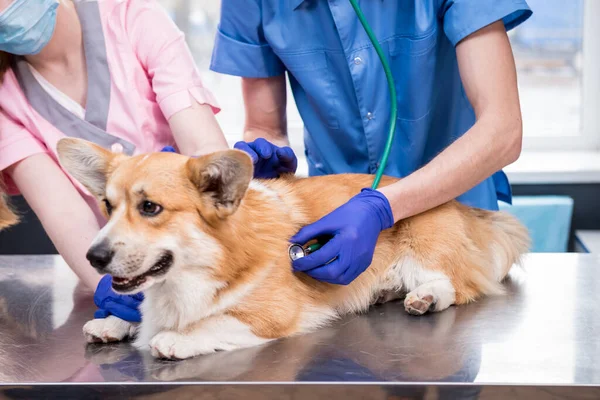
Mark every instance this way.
x=190 y=298
x=176 y=303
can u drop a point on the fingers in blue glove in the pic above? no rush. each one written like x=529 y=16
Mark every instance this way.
x=123 y=312
x=328 y=264
x=243 y=146
x=111 y=303
x=321 y=228
x=287 y=159
x=269 y=160
x=321 y=257
x=131 y=301
x=335 y=273
x=329 y=273
x=101 y=314
x=263 y=148
x=105 y=291
x=285 y=153
x=168 y=149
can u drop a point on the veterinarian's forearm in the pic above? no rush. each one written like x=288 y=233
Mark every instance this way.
x=477 y=155
x=278 y=139
x=265 y=106
x=197 y=131
x=66 y=217
x=488 y=73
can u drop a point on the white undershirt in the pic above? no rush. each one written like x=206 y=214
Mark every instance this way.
x=61 y=98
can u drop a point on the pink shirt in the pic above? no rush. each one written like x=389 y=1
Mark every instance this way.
x=153 y=76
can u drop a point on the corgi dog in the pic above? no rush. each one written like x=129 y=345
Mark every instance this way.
x=8 y=217
x=208 y=247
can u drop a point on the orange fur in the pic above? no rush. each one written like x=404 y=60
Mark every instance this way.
x=452 y=238
x=7 y=215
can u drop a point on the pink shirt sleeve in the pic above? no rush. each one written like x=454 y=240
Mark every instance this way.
x=161 y=48
x=16 y=144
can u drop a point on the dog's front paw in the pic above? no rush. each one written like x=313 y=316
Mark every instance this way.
x=175 y=346
x=170 y=345
x=106 y=330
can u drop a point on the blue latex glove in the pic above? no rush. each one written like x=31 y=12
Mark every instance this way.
x=108 y=302
x=269 y=160
x=354 y=228
x=168 y=149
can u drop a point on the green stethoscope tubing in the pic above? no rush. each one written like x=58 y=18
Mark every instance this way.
x=393 y=104
x=392 y=88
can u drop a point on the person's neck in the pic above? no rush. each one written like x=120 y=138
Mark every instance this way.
x=65 y=50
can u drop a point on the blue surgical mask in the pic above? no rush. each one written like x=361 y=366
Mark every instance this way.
x=26 y=26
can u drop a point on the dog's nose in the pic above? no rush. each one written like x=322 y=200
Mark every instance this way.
x=100 y=256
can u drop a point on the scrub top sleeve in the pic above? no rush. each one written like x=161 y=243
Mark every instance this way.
x=16 y=144
x=161 y=48
x=464 y=17
x=240 y=47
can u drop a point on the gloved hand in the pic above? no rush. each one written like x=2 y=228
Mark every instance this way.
x=269 y=160
x=168 y=149
x=108 y=302
x=355 y=227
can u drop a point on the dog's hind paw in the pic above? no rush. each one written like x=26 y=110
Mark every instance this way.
x=418 y=305
x=436 y=295
x=107 y=330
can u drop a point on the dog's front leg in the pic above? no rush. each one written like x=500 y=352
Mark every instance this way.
x=109 y=329
x=216 y=333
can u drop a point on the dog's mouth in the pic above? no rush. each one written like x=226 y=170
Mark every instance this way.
x=160 y=268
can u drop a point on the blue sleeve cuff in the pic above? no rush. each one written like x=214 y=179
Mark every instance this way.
x=247 y=60
x=503 y=189
x=464 y=17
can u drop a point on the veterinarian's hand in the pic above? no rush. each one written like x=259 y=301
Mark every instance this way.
x=269 y=160
x=108 y=302
x=354 y=228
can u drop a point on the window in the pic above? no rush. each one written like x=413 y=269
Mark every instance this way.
x=557 y=53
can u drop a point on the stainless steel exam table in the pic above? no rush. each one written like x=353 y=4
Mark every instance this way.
x=541 y=340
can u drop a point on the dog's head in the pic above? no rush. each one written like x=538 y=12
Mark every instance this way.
x=162 y=208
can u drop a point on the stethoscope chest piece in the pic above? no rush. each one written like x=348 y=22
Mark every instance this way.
x=296 y=251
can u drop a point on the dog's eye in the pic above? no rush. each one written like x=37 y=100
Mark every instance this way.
x=150 y=209
x=108 y=206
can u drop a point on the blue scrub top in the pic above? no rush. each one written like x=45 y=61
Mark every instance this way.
x=339 y=84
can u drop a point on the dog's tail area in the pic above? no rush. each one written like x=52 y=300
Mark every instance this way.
x=510 y=243
x=488 y=261
x=7 y=215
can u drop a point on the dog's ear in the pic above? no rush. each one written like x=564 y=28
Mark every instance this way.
x=221 y=179
x=88 y=163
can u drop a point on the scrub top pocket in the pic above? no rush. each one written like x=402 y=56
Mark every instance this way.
x=312 y=72
x=413 y=61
